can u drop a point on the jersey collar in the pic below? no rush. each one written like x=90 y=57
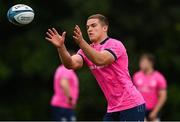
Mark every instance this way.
x=104 y=41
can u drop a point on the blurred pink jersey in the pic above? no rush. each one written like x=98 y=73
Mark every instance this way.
x=59 y=99
x=149 y=86
x=114 y=79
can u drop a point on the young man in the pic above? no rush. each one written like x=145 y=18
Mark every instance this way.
x=66 y=90
x=152 y=85
x=108 y=61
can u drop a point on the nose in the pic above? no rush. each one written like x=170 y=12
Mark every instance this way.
x=89 y=29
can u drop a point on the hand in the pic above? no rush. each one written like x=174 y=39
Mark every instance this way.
x=153 y=116
x=56 y=39
x=77 y=35
x=70 y=101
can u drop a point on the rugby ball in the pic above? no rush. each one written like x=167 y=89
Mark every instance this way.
x=20 y=14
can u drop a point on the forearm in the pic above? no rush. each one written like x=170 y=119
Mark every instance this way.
x=95 y=56
x=64 y=84
x=67 y=92
x=161 y=102
x=65 y=57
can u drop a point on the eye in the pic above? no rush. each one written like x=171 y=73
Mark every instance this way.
x=87 y=27
x=93 y=25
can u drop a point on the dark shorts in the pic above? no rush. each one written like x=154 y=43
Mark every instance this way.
x=134 y=114
x=62 y=114
x=147 y=113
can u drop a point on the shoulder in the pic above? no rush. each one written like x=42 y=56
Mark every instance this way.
x=158 y=74
x=59 y=68
x=63 y=69
x=113 y=41
x=59 y=71
x=160 y=79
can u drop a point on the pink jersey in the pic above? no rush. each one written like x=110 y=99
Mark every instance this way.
x=149 y=86
x=59 y=99
x=114 y=79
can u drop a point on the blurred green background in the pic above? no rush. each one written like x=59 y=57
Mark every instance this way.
x=28 y=61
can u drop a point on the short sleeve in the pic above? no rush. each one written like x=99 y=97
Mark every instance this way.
x=115 y=47
x=63 y=74
x=80 y=52
x=162 y=83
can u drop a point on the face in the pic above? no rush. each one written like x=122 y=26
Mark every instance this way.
x=95 y=30
x=145 y=64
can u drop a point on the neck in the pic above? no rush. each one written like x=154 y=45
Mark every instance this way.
x=101 y=39
x=148 y=71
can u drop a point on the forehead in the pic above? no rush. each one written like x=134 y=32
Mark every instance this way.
x=92 y=21
x=144 y=59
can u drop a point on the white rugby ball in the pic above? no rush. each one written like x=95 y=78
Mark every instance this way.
x=20 y=14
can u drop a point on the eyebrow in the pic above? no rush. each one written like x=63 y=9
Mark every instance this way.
x=90 y=24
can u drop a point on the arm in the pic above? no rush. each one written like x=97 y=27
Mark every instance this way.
x=71 y=62
x=98 y=58
x=64 y=83
x=161 y=100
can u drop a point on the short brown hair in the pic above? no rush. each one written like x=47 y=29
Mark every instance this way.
x=101 y=18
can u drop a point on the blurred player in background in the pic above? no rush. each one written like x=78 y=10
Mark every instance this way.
x=152 y=85
x=66 y=90
x=108 y=61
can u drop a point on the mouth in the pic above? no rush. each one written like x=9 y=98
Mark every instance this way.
x=91 y=34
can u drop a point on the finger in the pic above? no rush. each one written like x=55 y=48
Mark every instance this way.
x=51 y=32
x=54 y=30
x=48 y=34
x=76 y=34
x=48 y=39
x=75 y=37
x=64 y=34
x=78 y=28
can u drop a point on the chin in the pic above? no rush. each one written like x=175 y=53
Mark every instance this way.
x=92 y=39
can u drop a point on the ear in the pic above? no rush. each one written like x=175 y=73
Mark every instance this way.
x=105 y=28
